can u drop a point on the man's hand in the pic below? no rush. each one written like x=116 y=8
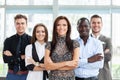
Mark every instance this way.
x=7 y=53
x=97 y=57
x=106 y=51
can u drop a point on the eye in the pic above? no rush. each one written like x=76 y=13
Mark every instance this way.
x=64 y=24
x=43 y=31
x=37 y=31
x=22 y=23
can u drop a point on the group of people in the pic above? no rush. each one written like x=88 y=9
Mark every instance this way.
x=34 y=57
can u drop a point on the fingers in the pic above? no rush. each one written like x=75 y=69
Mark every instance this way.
x=107 y=51
x=22 y=56
x=97 y=57
x=7 y=53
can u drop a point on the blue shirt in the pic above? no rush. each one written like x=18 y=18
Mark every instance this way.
x=92 y=47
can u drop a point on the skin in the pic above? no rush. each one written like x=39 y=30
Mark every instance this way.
x=96 y=26
x=62 y=27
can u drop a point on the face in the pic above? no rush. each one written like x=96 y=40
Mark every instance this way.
x=62 y=27
x=20 y=25
x=40 y=33
x=84 y=28
x=96 y=25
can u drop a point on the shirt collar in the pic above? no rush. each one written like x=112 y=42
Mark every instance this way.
x=95 y=36
x=21 y=35
x=79 y=38
x=37 y=43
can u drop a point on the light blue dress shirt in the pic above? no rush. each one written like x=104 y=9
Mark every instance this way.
x=92 y=47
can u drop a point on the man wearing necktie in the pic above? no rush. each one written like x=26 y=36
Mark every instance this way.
x=14 y=50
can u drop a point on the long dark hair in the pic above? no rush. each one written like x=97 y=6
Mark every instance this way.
x=34 y=33
x=55 y=34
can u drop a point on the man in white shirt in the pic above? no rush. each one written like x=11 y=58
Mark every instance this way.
x=91 y=53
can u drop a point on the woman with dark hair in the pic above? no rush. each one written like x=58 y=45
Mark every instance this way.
x=62 y=53
x=34 y=53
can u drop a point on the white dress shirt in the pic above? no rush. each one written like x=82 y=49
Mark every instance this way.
x=40 y=49
x=92 y=47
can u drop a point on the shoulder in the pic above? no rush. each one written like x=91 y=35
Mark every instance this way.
x=28 y=36
x=13 y=36
x=29 y=46
x=8 y=39
x=105 y=39
x=75 y=43
x=48 y=45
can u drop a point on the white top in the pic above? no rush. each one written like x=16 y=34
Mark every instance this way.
x=92 y=47
x=35 y=75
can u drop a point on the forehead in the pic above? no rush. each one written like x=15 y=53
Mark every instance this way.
x=62 y=21
x=20 y=20
x=83 y=22
x=40 y=28
x=96 y=20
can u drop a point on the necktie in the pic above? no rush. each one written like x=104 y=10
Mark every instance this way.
x=18 y=46
x=17 y=64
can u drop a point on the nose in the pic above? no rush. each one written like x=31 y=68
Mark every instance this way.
x=40 y=32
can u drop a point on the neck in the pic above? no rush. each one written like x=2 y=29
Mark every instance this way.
x=20 y=34
x=84 y=38
x=96 y=34
x=41 y=42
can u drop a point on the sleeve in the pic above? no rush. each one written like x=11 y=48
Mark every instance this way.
x=75 y=44
x=98 y=64
x=82 y=62
x=7 y=59
x=108 y=56
x=28 y=53
x=48 y=46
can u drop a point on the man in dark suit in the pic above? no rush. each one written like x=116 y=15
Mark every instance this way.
x=96 y=26
x=14 y=50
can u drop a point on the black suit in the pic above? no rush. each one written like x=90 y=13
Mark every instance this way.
x=11 y=45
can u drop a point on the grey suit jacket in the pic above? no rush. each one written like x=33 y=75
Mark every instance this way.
x=105 y=73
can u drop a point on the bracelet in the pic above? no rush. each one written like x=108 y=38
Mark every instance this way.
x=37 y=64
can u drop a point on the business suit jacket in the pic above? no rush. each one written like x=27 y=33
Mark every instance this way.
x=105 y=73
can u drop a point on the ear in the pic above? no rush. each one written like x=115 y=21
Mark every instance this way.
x=78 y=29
